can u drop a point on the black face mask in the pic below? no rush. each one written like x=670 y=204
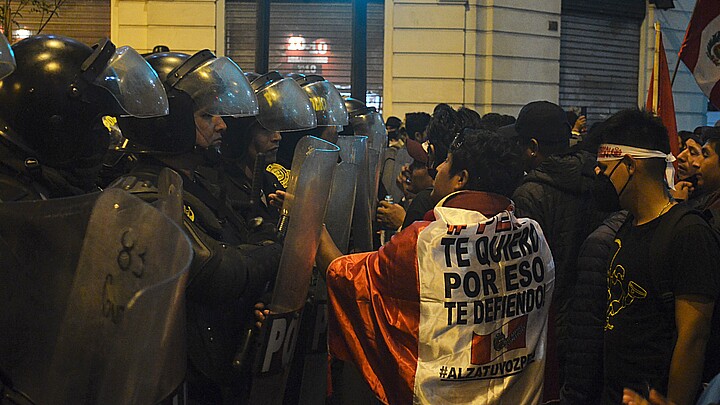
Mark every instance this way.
x=607 y=199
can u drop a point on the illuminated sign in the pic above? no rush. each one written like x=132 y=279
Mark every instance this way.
x=307 y=57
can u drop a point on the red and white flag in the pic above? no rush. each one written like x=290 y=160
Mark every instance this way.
x=511 y=336
x=700 y=50
x=449 y=311
x=660 y=96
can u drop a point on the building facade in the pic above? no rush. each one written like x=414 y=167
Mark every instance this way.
x=489 y=55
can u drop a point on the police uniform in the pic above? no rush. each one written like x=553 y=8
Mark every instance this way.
x=51 y=147
x=236 y=188
x=226 y=278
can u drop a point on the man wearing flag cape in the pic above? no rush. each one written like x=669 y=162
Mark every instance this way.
x=453 y=309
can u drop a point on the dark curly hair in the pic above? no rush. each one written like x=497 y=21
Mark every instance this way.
x=492 y=161
x=442 y=129
x=469 y=118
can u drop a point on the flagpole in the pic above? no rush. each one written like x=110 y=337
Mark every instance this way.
x=656 y=69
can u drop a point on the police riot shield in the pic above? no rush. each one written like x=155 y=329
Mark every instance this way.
x=338 y=217
x=393 y=161
x=170 y=195
x=309 y=186
x=310 y=363
x=372 y=126
x=7 y=59
x=93 y=296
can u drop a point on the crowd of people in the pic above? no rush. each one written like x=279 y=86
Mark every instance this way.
x=162 y=213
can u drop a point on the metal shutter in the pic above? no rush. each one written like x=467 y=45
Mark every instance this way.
x=316 y=23
x=85 y=20
x=599 y=58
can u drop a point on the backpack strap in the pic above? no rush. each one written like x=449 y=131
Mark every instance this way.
x=659 y=248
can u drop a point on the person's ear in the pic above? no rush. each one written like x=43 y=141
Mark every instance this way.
x=631 y=164
x=533 y=147
x=463 y=178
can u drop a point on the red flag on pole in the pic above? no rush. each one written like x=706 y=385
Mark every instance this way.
x=700 y=50
x=660 y=97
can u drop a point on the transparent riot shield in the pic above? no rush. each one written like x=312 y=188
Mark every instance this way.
x=372 y=126
x=314 y=162
x=338 y=217
x=94 y=297
x=7 y=58
x=392 y=162
x=170 y=195
x=311 y=350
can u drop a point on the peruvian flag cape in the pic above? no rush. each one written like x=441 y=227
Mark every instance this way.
x=449 y=311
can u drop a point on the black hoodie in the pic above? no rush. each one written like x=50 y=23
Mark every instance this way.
x=558 y=195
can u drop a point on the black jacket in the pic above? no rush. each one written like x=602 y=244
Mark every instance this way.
x=584 y=356
x=558 y=195
x=227 y=275
x=22 y=181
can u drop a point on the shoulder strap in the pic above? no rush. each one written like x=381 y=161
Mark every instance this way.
x=659 y=248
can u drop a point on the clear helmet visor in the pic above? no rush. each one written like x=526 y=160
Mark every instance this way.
x=219 y=88
x=372 y=126
x=134 y=84
x=7 y=58
x=284 y=106
x=328 y=104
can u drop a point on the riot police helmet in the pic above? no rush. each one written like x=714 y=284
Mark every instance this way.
x=53 y=103
x=365 y=121
x=284 y=106
x=326 y=100
x=356 y=107
x=197 y=84
x=7 y=58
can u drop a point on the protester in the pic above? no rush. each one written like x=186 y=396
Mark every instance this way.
x=413 y=180
x=557 y=193
x=494 y=121
x=689 y=160
x=708 y=171
x=690 y=155
x=385 y=310
x=416 y=124
x=710 y=396
x=658 y=318
x=393 y=125
x=578 y=123
x=584 y=367
x=443 y=126
x=470 y=118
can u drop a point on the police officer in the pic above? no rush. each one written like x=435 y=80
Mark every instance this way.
x=52 y=140
x=63 y=285
x=250 y=153
x=227 y=274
